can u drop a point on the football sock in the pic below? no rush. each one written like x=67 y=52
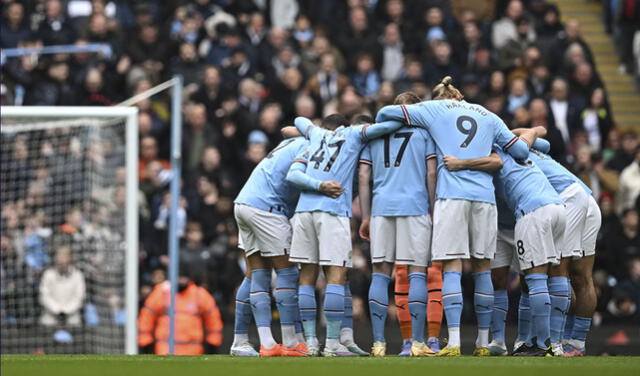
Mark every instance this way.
x=287 y=302
x=401 y=298
x=540 y=306
x=483 y=304
x=581 y=327
x=261 y=305
x=499 y=314
x=298 y=326
x=452 y=301
x=308 y=310
x=524 y=318
x=333 y=312
x=346 y=329
x=434 y=306
x=418 y=304
x=379 y=304
x=568 y=323
x=243 y=313
x=568 y=327
x=559 y=296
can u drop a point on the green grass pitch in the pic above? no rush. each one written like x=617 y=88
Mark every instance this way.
x=211 y=365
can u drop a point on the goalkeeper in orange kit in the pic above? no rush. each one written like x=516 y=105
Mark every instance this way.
x=434 y=306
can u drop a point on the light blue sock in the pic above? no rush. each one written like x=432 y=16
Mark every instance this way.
x=243 y=308
x=378 y=304
x=347 y=320
x=559 y=297
x=418 y=304
x=452 y=298
x=308 y=310
x=524 y=318
x=540 y=307
x=483 y=298
x=568 y=327
x=334 y=310
x=499 y=314
x=260 y=298
x=286 y=294
x=581 y=327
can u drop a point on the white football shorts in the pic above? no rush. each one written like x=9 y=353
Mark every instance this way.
x=402 y=240
x=576 y=202
x=539 y=236
x=464 y=229
x=262 y=231
x=321 y=238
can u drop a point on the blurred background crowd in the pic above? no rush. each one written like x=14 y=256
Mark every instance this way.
x=250 y=67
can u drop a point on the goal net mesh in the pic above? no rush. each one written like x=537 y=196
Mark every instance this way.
x=63 y=235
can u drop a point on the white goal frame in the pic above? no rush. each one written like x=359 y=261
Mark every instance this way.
x=130 y=115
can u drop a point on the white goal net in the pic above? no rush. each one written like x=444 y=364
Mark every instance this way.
x=68 y=230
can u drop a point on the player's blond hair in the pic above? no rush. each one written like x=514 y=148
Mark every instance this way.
x=445 y=90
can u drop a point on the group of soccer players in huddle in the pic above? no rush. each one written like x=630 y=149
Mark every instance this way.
x=440 y=181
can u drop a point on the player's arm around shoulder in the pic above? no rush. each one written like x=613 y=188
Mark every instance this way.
x=488 y=164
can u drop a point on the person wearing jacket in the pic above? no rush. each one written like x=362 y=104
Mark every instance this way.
x=198 y=323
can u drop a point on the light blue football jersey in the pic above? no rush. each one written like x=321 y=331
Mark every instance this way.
x=331 y=155
x=463 y=130
x=559 y=177
x=399 y=168
x=266 y=189
x=523 y=186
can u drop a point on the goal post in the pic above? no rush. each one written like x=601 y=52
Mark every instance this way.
x=88 y=123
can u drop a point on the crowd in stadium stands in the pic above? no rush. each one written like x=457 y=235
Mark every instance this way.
x=249 y=67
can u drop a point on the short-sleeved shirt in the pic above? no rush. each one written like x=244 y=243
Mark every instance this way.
x=399 y=168
x=559 y=177
x=465 y=131
x=267 y=188
x=523 y=186
x=331 y=155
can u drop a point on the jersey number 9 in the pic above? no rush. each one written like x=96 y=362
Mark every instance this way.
x=471 y=132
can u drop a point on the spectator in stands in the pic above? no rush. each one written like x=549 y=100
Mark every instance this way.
x=199 y=134
x=570 y=36
x=189 y=65
x=62 y=292
x=311 y=56
x=632 y=285
x=14 y=28
x=211 y=91
x=148 y=154
x=366 y=80
x=392 y=47
x=590 y=168
x=198 y=258
x=328 y=82
x=629 y=184
x=506 y=29
x=624 y=245
x=510 y=54
x=198 y=321
x=626 y=154
x=358 y=37
x=596 y=120
x=565 y=112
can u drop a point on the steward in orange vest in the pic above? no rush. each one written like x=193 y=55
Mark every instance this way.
x=197 y=319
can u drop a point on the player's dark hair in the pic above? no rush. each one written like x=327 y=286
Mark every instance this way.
x=445 y=90
x=333 y=121
x=408 y=97
x=362 y=119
